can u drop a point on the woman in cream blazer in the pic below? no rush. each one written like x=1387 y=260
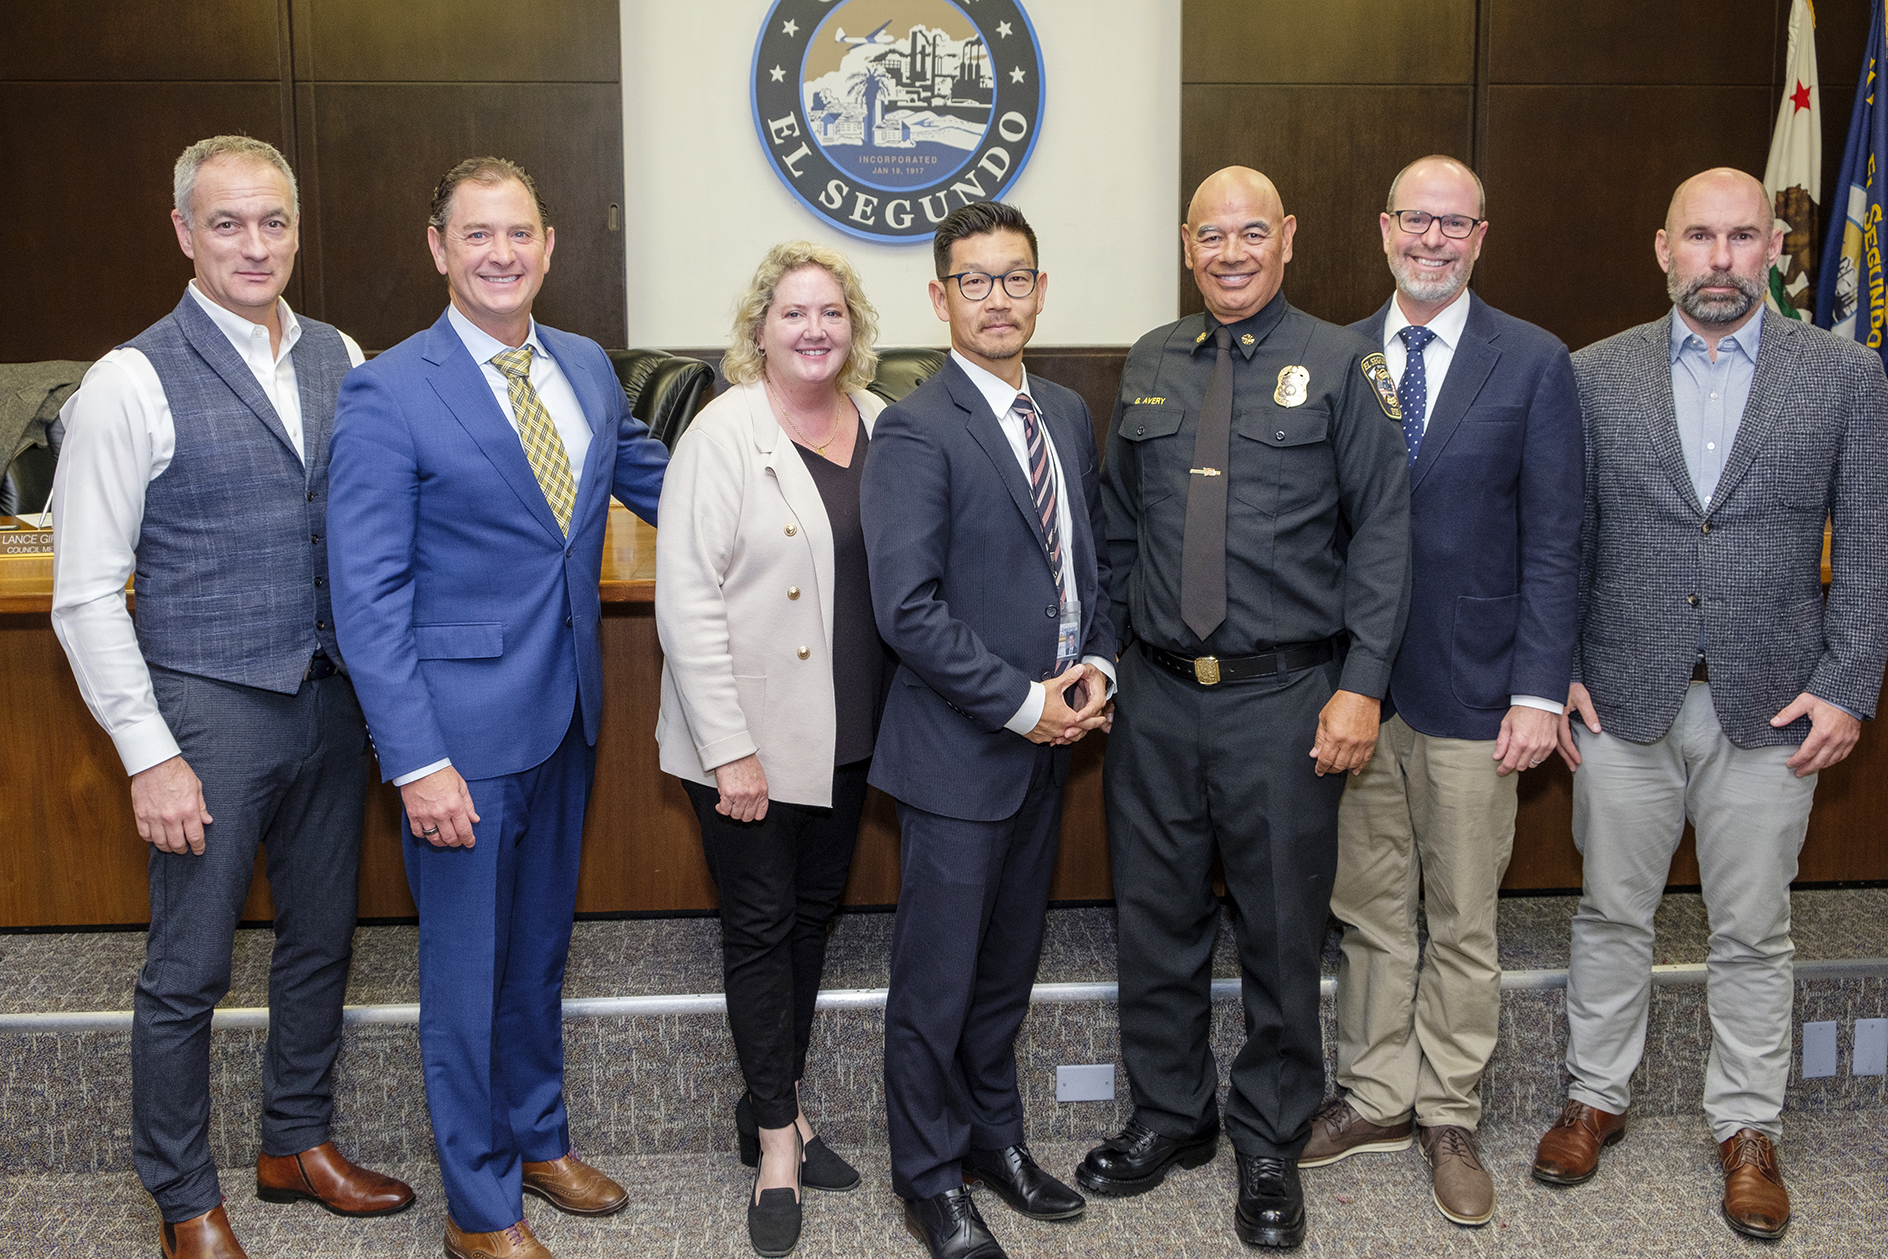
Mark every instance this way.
x=773 y=677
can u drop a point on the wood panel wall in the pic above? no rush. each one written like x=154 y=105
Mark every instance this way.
x=370 y=101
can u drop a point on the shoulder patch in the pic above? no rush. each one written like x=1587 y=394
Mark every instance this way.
x=1377 y=372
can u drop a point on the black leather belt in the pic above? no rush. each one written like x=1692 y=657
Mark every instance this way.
x=1212 y=670
x=1699 y=673
x=319 y=666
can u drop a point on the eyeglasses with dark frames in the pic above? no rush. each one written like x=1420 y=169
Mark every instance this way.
x=976 y=285
x=1454 y=226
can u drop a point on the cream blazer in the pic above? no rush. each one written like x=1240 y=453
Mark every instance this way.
x=744 y=602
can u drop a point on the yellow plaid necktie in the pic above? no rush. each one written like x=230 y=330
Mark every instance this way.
x=550 y=463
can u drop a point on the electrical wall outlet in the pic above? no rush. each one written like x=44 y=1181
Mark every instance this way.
x=1871 y=1048
x=1090 y=1082
x=1819 y=1050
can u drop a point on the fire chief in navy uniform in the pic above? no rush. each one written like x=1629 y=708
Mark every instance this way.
x=982 y=509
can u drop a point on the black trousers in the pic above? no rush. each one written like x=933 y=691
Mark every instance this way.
x=780 y=880
x=964 y=953
x=1191 y=772
x=287 y=772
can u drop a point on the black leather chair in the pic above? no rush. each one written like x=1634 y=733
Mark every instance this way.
x=28 y=482
x=902 y=370
x=664 y=390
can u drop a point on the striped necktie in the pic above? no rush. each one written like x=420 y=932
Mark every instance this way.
x=1041 y=488
x=543 y=447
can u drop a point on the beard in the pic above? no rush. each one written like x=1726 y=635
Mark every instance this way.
x=1429 y=287
x=1713 y=309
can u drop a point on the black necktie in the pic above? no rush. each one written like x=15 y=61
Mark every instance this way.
x=1412 y=392
x=1203 y=547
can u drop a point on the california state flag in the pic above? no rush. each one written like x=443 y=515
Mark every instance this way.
x=1793 y=175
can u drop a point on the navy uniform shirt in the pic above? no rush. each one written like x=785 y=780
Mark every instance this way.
x=1317 y=507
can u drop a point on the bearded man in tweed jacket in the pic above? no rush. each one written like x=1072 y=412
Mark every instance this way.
x=1713 y=679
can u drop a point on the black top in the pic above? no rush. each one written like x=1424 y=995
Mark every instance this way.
x=1317 y=511
x=860 y=657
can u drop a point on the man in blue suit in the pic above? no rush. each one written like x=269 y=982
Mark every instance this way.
x=472 y=472
x=1491 y=420
x=981 y=504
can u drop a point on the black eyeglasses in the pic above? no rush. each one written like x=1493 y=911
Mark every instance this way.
x=1454 y=226
x=976 y=285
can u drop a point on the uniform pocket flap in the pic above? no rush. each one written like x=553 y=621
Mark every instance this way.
x=465 y=640
x=1144 y=420
x=1298 y=426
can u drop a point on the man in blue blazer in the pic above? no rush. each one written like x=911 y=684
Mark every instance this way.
x=1491 y=420
x=472 y=472
x=981 y=504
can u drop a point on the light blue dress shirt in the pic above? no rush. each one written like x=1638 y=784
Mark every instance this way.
x=1709 y=397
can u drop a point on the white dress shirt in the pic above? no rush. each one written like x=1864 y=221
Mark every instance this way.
x=119 y=438
x=1002 y=398
x=1448 y=326
x=557 y=395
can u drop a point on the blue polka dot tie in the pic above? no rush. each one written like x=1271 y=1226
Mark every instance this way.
x=1412 y=392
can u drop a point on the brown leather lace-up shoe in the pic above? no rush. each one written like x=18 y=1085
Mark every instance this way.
x=322 y=1175
x=207 y=1236
x=574 y=1187
x=1463 y=1190
x=1338 y=1131
x=1755 y=1201
x=1569 y=1153
x=516 y=1242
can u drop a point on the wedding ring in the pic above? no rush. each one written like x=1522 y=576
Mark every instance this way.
x=434 y=830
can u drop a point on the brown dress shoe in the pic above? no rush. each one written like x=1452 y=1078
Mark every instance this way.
x=1569 y=1153
x=1755 y=1201
x=323 y=1175
x=574 y=1187
x=516 y=1242
x=1338 y=1131
x=207 y=1236
x=1461 y=1187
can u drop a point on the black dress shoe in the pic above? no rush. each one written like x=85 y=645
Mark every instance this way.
x=773 y=1217
x=1271 y=1210
x=949 y=1226
x=1020 y=1181
x=1137 y=1160
x=823 y=1169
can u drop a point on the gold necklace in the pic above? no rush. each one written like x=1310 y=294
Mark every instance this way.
x=832 y=424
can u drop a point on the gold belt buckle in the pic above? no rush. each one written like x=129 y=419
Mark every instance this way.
x=1206 y=670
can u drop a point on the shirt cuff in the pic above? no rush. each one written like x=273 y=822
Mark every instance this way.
x=1031 y=712
x=144 y=744
x=1535 y=701
x=1107 y=667
x=422 y=771
x=1844 y=707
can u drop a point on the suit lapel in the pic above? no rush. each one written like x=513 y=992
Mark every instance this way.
x=1655 y=386
x=988 y=434
x=1762 y=408
x=208 y=340
x=1469 y=368
x=460 y=384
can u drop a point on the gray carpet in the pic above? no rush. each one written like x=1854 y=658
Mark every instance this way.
x=96 y=971
x=1657 y=1194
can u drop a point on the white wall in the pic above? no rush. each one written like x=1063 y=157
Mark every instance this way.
x=1101 y=190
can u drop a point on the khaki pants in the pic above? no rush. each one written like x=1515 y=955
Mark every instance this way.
x=1431 y=814
x=1751 y=812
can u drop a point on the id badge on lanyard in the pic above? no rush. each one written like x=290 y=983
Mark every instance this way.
x=1068 y=636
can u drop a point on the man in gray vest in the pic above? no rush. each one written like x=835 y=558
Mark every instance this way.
x=197 y=454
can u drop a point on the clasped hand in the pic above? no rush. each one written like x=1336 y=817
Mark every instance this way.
x=1061 y=724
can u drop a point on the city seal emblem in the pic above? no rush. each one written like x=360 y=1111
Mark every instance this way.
x=883 y=116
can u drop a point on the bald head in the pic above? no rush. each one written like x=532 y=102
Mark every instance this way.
x=1439 y=169
x=1717 y=191
x=1236 y=241
x=1717 y=246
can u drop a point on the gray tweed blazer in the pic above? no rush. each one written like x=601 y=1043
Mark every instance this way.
x=1655 y=566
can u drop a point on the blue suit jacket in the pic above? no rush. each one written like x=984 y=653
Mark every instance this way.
x=1495 y=522
x=963 y=592
x=468 y=622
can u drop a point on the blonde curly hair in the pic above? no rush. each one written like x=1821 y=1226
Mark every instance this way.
x=744 y=364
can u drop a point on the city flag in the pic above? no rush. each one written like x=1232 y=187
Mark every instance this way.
x=1792 y=178
x=1852 y=300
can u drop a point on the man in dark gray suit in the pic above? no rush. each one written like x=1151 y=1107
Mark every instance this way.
x=1713 y=680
